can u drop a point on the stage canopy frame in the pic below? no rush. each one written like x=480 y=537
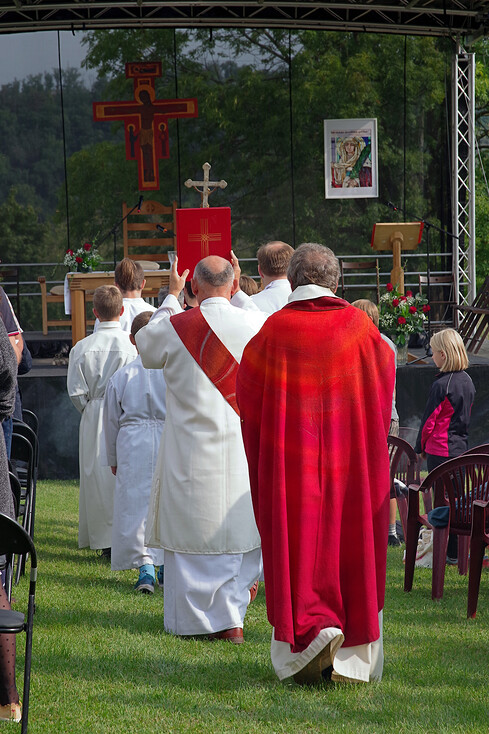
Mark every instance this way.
x=463 y=21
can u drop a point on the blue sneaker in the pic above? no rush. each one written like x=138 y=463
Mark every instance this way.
x=145 y=584
x=146 y=581
x=161 y=577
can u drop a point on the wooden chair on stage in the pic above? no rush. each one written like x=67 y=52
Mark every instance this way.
x=348 y=267
x=442 y=299
x=474 y=327
x=56 y=295
x=457 y=484
x=149 y=232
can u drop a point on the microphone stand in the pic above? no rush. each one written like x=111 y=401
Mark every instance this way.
x=429 y=226
x=114 y=229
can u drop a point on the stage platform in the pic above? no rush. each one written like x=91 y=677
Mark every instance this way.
x=44 y=392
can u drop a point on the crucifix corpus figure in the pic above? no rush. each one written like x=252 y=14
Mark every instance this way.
x=145 y=121
x=205 y=187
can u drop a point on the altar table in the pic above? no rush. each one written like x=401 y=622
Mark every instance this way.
x=79 y=283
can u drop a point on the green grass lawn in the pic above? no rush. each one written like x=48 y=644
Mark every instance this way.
x=102 y=662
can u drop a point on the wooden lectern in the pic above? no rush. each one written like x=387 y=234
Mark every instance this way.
x=397 y=236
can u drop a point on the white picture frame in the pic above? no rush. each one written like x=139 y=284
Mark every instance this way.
x=350 y=159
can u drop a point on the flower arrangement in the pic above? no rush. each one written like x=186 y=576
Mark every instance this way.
x=86 y=258
x=402 y=315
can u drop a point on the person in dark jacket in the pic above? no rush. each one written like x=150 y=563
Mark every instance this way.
x=444 y=427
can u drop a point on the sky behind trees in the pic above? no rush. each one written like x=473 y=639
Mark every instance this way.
x=22 y=54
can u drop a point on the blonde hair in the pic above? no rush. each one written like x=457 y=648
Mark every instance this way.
x=107 y=301
x=450 y=342
x=370 y=309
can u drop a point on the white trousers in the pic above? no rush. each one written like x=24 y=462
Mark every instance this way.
x=362 y=662
x=208 y=593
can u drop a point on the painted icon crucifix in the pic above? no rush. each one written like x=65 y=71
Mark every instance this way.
x=145 y=121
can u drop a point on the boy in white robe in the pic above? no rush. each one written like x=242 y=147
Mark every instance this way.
x=130 y=280
x=134 y=416
x=92 y=363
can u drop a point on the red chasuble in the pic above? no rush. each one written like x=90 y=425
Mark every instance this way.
x=315 y=390
x=212 y=356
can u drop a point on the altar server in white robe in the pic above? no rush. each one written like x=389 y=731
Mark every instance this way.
x=92 y=363
x=273 y=261
x=200 y=507
x=134 y=416
x=130 y=280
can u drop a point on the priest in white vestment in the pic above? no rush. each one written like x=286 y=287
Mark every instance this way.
x=273 y=261
x=134 y=416
x=92 y=363
x=200 y=508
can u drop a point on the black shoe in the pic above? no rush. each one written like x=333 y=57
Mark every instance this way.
x=105 y=554
x=393 y=540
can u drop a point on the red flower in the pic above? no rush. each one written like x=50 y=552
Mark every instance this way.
x=395 y=302
x=69 y=252
x=409 y=294
x=426 y=308
x=401 y=320
x=79 y=259
x=403 y=298
x=389 y=287
x=412 y=309
x=87 y=246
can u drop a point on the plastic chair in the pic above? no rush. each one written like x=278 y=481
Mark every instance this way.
x=403 y=466
x=457 y=484
x=15 y=540
x=479 y=539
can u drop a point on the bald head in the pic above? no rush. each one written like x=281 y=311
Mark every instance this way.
x=213 y=276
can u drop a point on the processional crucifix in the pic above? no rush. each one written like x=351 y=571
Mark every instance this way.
x=145 y=121
x=204 y=187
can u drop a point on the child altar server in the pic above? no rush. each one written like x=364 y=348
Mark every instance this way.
x=92 y=363
x=134 y=416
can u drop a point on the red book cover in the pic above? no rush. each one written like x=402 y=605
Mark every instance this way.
x=202 y=232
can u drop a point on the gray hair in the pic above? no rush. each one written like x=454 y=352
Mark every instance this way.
x=314 y=264
x=217 y=279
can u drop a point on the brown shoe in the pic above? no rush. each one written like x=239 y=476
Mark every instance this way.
x=234 y=635
x=253 y=591
x=312 y=672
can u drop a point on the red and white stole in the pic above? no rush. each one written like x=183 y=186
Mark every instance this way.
x=212 y=356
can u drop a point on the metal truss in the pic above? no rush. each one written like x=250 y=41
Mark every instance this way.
x=463 y=175
x=468 y=18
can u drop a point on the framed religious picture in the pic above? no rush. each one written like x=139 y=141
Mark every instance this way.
x=350 y=159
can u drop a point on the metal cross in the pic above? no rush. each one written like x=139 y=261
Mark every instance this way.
x=204 y=187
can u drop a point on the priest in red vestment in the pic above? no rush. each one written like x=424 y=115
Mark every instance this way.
x=314 y=389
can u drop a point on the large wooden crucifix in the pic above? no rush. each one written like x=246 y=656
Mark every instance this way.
x=146 y=121
x=204 y=187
